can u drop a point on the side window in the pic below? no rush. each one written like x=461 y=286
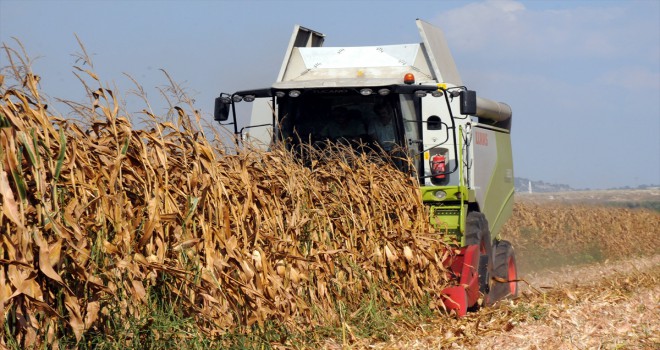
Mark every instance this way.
x=410 y=110
x=409 y=114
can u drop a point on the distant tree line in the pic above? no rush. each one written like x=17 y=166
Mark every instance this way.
x=522 y=184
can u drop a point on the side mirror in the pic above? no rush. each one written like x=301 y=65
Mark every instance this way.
x=468 y=99
x=221 y=111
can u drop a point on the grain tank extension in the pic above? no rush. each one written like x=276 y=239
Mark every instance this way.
x=406 y=98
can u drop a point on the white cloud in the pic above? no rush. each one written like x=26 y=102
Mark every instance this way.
x=509 y=29
x=474 y=26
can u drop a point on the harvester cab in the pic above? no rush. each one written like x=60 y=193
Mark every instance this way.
x=409 y=99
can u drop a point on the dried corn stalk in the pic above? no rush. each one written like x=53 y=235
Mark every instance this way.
x=97 y=215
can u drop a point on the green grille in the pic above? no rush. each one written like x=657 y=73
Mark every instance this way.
x=446 y=212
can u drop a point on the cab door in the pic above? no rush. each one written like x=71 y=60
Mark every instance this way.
x=259 y=133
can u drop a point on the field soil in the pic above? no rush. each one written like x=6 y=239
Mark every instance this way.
x=610 y=305
x=607 y=305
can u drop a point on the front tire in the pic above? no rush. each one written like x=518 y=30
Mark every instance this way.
x=505 y=273
x=478 y=233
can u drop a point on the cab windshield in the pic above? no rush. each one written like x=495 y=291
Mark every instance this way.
x=353 y=118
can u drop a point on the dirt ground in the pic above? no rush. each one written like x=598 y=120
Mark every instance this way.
x=608 y=305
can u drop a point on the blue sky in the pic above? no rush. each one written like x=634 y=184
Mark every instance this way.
x=582 y=77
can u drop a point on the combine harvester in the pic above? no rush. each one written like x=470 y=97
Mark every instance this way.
x=406 y=98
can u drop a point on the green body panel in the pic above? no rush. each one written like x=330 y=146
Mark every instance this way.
x=454 y=193
x=449 y=213
x=497 y=205
x=448 y=218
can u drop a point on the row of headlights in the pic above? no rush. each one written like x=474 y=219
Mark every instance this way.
x=237 y=98
x=296 y=93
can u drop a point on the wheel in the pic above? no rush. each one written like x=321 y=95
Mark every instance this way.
x=477 y=233
x=505 y=273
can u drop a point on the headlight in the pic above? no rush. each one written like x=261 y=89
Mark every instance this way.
x=440 y=194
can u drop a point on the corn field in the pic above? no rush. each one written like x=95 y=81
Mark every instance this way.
x=549 y=235
x=99 y=216
x=101 y=220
